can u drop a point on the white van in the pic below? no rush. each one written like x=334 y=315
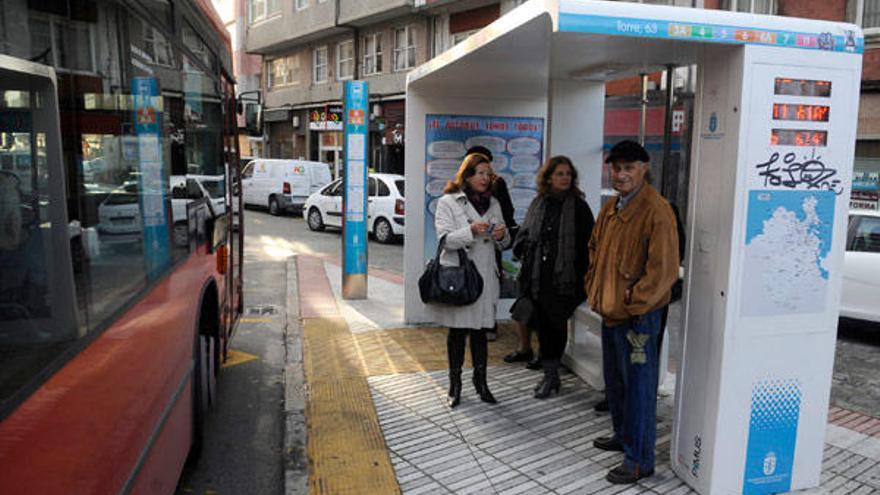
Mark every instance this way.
x=281 y=185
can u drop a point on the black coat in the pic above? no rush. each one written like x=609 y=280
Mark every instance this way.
x=545 y=254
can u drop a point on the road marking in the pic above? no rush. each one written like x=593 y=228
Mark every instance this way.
x=234 y=358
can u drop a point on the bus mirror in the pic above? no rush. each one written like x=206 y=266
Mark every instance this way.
x=253 y=116
x=217 y=227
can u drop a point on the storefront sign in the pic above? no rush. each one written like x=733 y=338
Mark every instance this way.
x=326 y=119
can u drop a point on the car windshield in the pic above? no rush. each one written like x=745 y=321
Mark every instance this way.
x=867 y=235
x=127 y=195
x=214 y=188
x=400 y=186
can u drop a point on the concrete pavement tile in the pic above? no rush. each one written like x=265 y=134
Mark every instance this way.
x=846 y=489
x=834 y=483
x=869 y=447
x=527 y=487
x=580 y=483
x=841 y=437
x=431 y=488
x=871 y=477
x=844 y=465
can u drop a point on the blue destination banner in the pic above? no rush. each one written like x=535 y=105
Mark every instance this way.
x=710 y=33
x=152 y=182
x=355 y=215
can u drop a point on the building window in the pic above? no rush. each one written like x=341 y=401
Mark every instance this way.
x=767 y=7
x=62 y=43
x=259 y=10
x=158 y=47
x=198 y=47
x=870 y=14
x=404 y=48
x=302 y=4
x=283 y=71
x=372 y=54
x=345 y=60
x=319 y=63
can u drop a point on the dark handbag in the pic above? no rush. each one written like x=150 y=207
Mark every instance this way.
x=523 y=310
x=455 y=285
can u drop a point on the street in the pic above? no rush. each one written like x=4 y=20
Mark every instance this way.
x=243 y=451
x=243 y=447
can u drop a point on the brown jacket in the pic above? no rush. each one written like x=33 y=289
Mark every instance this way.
x=635 y=248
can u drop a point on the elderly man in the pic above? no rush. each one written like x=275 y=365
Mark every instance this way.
x=633 y=265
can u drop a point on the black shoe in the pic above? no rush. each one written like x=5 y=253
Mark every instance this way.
x=534 y=364
x=454 y=397
x=482 y=387
x=611 y=444
x=622 y=475
x=519 y=356
x=601 y=406
x=550 y=383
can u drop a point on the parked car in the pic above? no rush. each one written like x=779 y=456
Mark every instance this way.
x=119 y=216
x=385 y=207
x=282 y=185
x=860 y=298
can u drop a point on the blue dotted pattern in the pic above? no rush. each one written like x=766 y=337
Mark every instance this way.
x=776 y=404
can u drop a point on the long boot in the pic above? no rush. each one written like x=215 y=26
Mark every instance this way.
x=551 y=382
x=479 y=355
x=455 y=343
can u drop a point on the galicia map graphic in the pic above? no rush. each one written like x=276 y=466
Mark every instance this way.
x=788 y=239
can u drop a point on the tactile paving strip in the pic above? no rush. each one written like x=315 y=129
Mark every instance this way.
x=347 y=452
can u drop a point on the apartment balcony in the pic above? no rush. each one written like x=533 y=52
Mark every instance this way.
x=363 y=12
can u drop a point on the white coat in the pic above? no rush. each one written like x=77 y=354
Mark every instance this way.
x=453 y=218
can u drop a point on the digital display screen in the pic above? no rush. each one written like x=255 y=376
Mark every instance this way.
x=802 y=87
x=805 y=113
x=798 y=137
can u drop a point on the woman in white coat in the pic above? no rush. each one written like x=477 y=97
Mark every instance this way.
x=471 y=219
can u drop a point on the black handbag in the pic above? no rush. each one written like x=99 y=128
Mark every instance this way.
x=455 y=285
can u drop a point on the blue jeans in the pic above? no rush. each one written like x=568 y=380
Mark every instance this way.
x=630 y=366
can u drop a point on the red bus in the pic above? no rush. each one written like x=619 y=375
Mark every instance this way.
x=120 y=270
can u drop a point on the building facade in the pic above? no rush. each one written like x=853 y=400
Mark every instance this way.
x=309 y=47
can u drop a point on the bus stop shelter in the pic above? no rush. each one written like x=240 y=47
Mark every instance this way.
x=771 y=170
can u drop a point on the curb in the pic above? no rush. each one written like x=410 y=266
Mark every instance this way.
x=296 y=475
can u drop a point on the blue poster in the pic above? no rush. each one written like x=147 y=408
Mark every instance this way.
x=773 y=425
x=355 y=194
x=786 y=255
x=517 y=151
x=152 y=180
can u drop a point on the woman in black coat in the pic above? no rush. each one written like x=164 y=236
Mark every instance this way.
x=552 y=242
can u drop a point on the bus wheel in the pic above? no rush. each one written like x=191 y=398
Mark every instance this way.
x=204 y=390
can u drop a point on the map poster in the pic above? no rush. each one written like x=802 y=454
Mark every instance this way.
x=517 y=151
x=785 y=264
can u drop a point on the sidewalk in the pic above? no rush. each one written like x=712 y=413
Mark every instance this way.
x=368 y=394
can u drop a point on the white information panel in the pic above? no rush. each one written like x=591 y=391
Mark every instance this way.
x=764 y=284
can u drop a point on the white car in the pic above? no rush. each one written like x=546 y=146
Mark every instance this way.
x=119 y=216
x=385 y=207
x=861 y=268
